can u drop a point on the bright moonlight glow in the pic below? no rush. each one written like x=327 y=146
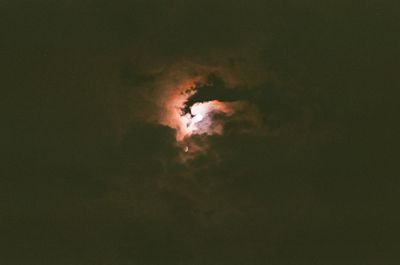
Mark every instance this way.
x=199 y=118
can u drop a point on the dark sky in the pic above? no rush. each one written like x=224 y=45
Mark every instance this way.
x=86 y=179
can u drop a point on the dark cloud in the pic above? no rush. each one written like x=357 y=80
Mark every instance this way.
x=89 y=176
x=215 y=89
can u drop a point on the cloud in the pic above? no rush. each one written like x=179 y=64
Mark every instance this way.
x=304 y=167
x=199 y=98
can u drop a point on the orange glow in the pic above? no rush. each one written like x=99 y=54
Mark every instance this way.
x=198 y=120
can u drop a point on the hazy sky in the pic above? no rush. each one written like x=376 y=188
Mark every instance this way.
x=305 y=172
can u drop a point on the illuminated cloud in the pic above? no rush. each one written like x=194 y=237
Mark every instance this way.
x=188 y=117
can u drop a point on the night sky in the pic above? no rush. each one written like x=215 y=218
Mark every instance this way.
x=305 y=171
